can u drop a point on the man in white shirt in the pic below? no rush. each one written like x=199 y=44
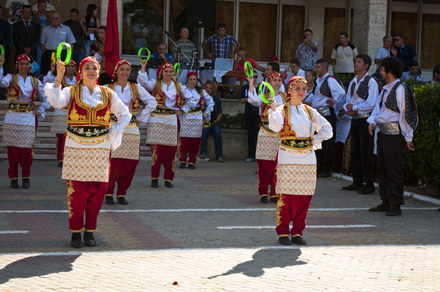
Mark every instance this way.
x=328 y=99
x=396 y=117
x=362 y=97
x=344 y=54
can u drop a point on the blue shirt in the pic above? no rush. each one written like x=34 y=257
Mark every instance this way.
x=221 y=48
x=169 y=57
x=382 y=53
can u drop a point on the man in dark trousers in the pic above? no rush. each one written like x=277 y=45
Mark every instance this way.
x=362 y=97
x=396 y=118
x=26 y=34
x=252 y=118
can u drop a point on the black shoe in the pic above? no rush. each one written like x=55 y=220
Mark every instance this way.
x=60 y=164
x=352 y=187
x=367 y=189
x=298 y=240
x=109 y=200
x=191 y=166
x=76 y=240
x=168 y=184
x=14 y=184
x=324 y=174
x=182 y=165
x=394 y=211
x=26 y=183
x=284 y=240
x=273 y=200
x=122 y=201
x=154 y=183
x=264 y=200
x=89 y=240
x=380 y=208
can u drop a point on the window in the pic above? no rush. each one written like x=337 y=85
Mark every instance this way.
x=142 y=25
x=291 y=31
x=430 y=40
x=405 y=24
x=334 y=24
x=257 y=30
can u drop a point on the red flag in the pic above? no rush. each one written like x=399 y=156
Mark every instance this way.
x=111 y=45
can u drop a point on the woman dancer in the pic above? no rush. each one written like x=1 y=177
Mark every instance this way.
x=19 y=127
x=89 y=140
x=191 y=123
x=268 y=141
x=125 y=159
x=297 y=125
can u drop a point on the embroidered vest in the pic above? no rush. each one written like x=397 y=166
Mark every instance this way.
x=135 y=100
x=324 y=89
x=288 y=136
x=363 y=88
x=411 y=115
x=161 y=97
x=14 y=90
x=80 y=114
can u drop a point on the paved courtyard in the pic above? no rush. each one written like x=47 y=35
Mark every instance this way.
x=211 y=233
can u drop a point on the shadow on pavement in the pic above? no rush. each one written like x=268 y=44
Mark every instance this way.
x=265 y=259
x=37 y=266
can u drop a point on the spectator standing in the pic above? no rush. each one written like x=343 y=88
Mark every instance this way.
x=13 y=9
x=219 y=45
x=384 y=52
x=404 y=52
x=344 y=54
x=414 y=73
x=78 y=29
x=185 y=47
x=26 y=34
x=252 y=119
x=214 y=128
x=91 y=21
x=162 y=53
x=51 y=37
x=41 y=16
x=311 y=85
x=307 y=51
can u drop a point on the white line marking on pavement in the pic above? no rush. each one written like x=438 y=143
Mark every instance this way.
x=208 y=210
x=307 y=227
x=13 y=231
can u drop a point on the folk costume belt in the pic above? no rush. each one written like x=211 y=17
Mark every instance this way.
x=164 y=111
x=324 y=111
x=265 y=125
x=115 y=119
x=195 y=109
x=298 y=143
x=21 y=107
x=88 y=131
x=361 y=116
x=389 y=128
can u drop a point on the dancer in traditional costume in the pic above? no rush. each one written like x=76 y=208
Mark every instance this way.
x=90 y=137
x=20 y=125
x=59 y=124
x=301 y=129
x=191 y=123
x=163 y=125
x=268 y=141
x=125 y=159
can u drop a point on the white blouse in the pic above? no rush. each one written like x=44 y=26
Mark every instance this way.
x=170 y=91
x=26 y=86
x=60 y=98
x=303 y=128
x=147 y=99
x=193 y=98
x=255 y=100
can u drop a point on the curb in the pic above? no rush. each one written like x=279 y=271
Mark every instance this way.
x=412 y=195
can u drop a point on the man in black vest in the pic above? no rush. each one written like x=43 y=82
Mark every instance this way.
x=396 y=118
x=328 y=99
x=362 y=97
